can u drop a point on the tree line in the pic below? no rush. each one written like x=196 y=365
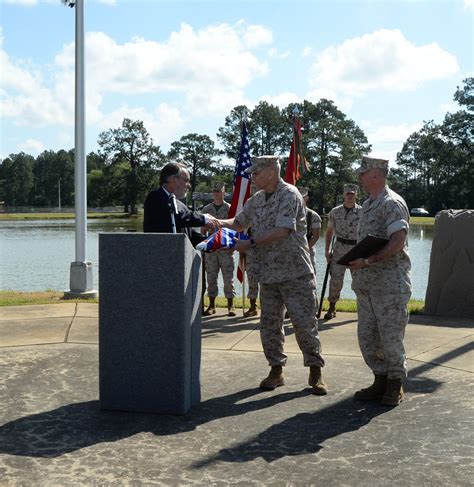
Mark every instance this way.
x=434 y=167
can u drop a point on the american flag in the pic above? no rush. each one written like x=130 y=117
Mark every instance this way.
x=241 y=178
x=241 y=188
x=222 y=239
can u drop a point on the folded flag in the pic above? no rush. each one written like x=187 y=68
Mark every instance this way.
x=222 y=239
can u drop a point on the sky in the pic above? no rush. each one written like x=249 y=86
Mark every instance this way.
x=181 y=66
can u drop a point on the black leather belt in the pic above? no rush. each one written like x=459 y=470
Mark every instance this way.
x=346 y=241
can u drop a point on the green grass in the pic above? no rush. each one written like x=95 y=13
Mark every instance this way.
x=56 y=216
x=18 y=298
x=422 y=220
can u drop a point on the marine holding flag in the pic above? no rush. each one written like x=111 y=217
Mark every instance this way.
x=284 y=269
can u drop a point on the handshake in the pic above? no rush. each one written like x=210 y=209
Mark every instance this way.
x=212 y=223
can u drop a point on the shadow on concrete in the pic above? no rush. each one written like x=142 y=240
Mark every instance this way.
x=74 y=426
x=301 y=434
x=442 y=321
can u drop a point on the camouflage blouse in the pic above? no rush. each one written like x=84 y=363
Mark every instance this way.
x=381 y=217
x=286 y=258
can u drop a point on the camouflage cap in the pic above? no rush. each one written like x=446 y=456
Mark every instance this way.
x=351 y=188
x=303 y=191
x=369 y=163
x=218 y=186
x=261 y=162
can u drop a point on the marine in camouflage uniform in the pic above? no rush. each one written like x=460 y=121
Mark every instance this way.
x=342 y=224
x=382 y=284
x=222 y=259
x=283 y=269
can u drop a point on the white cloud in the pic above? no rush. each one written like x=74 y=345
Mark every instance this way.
x=256 y=36
x=388 y=140
x=275 y=53
x=342 y=102
x=163 y=123
x=307 y=51
x=206 y=69
x=32 y=146
x=381 y=60
x=283 y=99
x=469 y=4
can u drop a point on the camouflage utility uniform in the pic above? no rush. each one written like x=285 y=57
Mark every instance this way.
x=383 y=289
x=284 y=272
x=220 y=259
x=344 y=222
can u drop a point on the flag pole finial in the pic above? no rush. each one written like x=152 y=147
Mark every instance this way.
x=296 y=110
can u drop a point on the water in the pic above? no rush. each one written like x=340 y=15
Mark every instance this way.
x=36 y=255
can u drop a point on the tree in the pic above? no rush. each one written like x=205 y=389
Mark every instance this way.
x=332 y=144
x=51 y=170
x=131 y=144
x=199 y=154
x=17 y=179
x=436 y=164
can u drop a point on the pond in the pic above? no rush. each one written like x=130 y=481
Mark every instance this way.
x=35 y=255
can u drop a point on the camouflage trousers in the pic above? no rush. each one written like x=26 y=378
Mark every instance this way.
x=337 y=271
x=299 y=298
x=220 y=260
x=251 y=281
x=382 y=319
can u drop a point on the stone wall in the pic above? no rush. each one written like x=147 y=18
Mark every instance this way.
x=450 y=289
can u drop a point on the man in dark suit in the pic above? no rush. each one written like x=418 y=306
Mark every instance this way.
x=162 y=203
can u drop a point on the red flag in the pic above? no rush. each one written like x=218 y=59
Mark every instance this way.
x=297 y=164
x=241 y=188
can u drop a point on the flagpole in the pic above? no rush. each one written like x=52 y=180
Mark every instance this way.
x=243 y=291
x=80 y=280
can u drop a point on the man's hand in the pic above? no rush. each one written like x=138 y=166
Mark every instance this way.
x=357 y=264
x=241 y=245
x=212 y=223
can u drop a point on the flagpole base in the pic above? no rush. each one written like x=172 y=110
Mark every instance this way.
x=80 y=282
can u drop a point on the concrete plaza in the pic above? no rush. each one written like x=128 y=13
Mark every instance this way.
x=53 y=433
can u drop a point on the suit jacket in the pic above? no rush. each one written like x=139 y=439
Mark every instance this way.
x=157 y=216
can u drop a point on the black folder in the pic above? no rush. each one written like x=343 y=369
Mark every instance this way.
x=365 y=248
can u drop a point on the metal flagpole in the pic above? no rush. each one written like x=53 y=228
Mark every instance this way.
x=81 y=270
x=326 y=275
x=244 y=258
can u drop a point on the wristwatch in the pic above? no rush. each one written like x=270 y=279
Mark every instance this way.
x=253 y=244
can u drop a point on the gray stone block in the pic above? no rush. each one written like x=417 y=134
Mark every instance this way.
x=149 y=322
x=450 y=290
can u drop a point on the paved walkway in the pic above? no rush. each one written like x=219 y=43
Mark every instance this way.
x=53 y=433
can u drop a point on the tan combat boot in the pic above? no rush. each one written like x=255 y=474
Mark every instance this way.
x=316 y=381
x=230 y=307
x=275 y=378
x=331 y=313
x=393 y=394
x=212 y=307
x=374 y=392
x=252 y=311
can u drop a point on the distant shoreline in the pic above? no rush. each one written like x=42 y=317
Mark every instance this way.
x=65 y=216
x=415 y=220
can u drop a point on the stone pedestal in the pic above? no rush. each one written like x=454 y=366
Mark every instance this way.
x=149 y=323
x=450 y=289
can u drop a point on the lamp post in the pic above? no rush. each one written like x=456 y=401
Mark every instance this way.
x=80 y=281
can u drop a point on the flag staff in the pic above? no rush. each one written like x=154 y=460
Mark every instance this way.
x=81 y=281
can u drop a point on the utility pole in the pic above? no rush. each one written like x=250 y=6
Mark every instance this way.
x=59 y=195
x=80 y=281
